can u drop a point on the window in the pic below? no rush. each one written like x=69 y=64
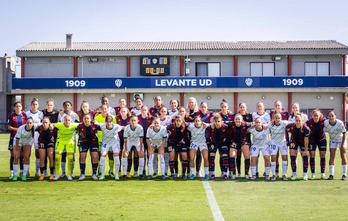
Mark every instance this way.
x=317 y=68
x=208 y=69
x=262 y=69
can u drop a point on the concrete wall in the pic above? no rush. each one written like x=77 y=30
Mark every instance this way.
x=331 y=101
x=226 y=64
x=215 y=99
x=149 y=98
x=58 y=100
x=49 y=67
x=252 y=98
x=117 y=66
x=280 y=67
x=104 y=67
x=298 y=63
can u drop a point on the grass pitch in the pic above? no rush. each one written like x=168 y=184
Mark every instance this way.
x=170 y=200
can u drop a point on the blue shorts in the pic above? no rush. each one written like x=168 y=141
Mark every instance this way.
x=295 y=146
x=92 y=147
x=320 y=144
x=221 y=147
x=178 y=148
x=10 y=144
x=46 y=145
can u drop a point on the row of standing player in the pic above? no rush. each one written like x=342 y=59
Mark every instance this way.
x=227 y=152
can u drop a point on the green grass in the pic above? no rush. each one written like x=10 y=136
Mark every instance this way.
x=170 y=200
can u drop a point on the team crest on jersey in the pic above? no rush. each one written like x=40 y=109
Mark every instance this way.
x=248 y=82
x=118 y=82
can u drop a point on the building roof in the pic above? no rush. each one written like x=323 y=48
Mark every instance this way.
x=183 y=45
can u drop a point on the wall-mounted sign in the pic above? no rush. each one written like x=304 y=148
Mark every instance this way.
x=154 y=65
x=180 y=82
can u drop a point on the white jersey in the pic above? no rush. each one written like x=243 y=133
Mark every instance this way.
x=136 y=111
x=74 y=117
x=133 y=135
x=197 y=133
x=156 y=137
x=265 y=117
x=167 y=121
x=172 y=113
x=260 y=138
x=335 y=131
x=293 y=117
x=110 y=136
x=278 y=132
x=37 y=116
x=24 y=136
x=112 y=111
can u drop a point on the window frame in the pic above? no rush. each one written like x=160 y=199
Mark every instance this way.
x=250 y=63
x=207 y=63
x=316 y=66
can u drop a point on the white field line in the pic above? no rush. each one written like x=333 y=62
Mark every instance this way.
x=212 y=201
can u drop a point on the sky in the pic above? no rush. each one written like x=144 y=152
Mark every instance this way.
x=159 y=20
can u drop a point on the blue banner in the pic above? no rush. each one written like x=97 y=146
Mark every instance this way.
x=179 y=82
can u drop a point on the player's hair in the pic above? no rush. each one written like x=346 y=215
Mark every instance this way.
x=278 y=101
x=197 y=117
x=182 y=126
x=49 y=121
x=34 y=100
x=224 y=102
x=49 y=100
x=246 y=108
x=263 y=105
x=195 y=109
x=67 y=102
x=217 y=117
x=177 y=101
x=292 y=114
x=17 y=102
x=107 y=118
x=299 y=116
x=204 y=102
x=239 y=115
x=319 y=112
x=259 y=118
x=129 y=114
x=133 y=116
x=87 y=115
x=148 y=112
x=278 y=114
x=331 y=111
x=32 y=129
x=81 y=110
x=163 y=107
x=182 y=108
x=119 y=100
x=138 y=98
x=157 y=97
x=155 y=117
x=104 y=97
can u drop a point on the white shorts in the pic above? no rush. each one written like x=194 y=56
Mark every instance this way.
x=199 y=146
x=105 y=148
x=36 y=140
x=282 y=147
x=30 y=143
x=131 y=144
x=265 y=150
x=156 y=146
x=335 y=144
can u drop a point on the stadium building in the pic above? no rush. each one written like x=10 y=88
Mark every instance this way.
x=311 y=73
